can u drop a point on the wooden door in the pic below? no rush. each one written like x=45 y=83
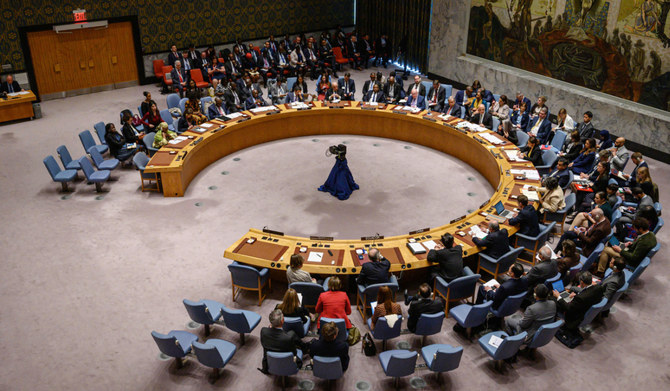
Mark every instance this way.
x=121 y=53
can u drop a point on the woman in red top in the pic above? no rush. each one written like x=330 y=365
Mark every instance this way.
x=334 y=303
x=152 y=118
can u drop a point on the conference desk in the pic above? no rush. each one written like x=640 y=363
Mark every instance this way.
x=17 y=106
x=178 y=164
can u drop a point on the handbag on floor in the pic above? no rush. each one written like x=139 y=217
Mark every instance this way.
x=354 y=336
x=369 y=347
x=569 y=338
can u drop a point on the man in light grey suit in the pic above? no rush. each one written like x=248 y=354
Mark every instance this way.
x=278 y=91
x=542 y=312
x=619 y=154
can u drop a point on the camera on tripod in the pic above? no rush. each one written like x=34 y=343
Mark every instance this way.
x=339 y=150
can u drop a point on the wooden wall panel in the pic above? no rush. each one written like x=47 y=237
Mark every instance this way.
x=122 y=52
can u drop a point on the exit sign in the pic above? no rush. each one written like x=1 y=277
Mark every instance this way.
x=79 y=15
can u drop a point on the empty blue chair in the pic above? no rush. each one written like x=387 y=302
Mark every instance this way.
x=215 y=353
x=448 y=89
x=342 y=332
x=398 y=363
x=205 y=312
x=176 y=344
x=203 y=104
x=469 y=316
x=507 y=348
x=245 y=277
x=148 y=141
x=97 y=177
x=591 y=314
x=383 y=331
x=510 y=305
x=458 y=289
x=495 y=121
x=100 y=162
x=366 y=295
x=295 y=324
x=632 y=277
x=327 y=368
x=560 y=215
x=588 y=262
x=172 y=101
x=140 y=160
x=658 y=207
x=659 y=225
x=534 y=243
x=428 y=85
x=558 y=140
x=240 y=321
x=498 y=266
x=548 y=160
x=58 y=175
x=88 y=142
x=310 y=292
x=66 y=159
x=168 y=119
x=283 y=364
x=615 y=297
x=522 y=138
x=429 y=324
x=100 y=131
x=442 y=357
x=544 y=335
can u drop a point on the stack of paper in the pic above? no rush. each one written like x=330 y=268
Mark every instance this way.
x=315 y=257
x=531 y=194
x=495 y=341
x=177 y=140
x=411 y=109
x=263 y=109
x=513 y=155
x=416 y=248
x=206 y=126
x=298 y=105
x=477 y=232
x=234 y=115
x=492 y=139
x=445 y=117
x=429 y=244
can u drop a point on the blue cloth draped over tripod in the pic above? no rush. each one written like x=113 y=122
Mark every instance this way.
x=340 y=182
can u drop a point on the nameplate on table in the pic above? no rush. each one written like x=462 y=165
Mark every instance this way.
x=418 y=231
x=321 y=238
x=374 y=237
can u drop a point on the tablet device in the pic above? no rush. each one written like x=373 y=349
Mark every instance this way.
x=558 y=285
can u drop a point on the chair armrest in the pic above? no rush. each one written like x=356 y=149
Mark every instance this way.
x=264 y=272
x=467 y=271
x=526 y=237
x=486 y=258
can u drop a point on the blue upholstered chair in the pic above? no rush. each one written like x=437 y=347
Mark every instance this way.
x=587 y=262
x=442 y=357
x=507 y=348
x=383 y=331
x=558 y=140
x=659 y=225
x=548 y=159
x=342 y=332
x=176 y=344
x=429 y=324
x=448 y=89
x=240 y=321
x=328 y=368
x=215 y=353
x=66 y=159
x=366 y=295
x=510 y=305
x=632 y=277
x=148 y=141
x=543 y=335
x=549 y=281
x=203 y=101
x=167 y=117
x=616 y=296
x=140 y=160
x=97 y=177
x=659 y=208
x=572 y=178
x=461 y=288
x=495 y=121
x=534 y=243
x=182 y=105
x=494 y=266
x=560 y=215
x=616 y=215
x=172 y=101
x=283 y=364
x=428 y=85
x=522 y=138
x=654 y=251
x=591 y=314
x=398 y=363
x=290 y=81
x=469 y=316
x=295 y=324
x=205 y=312
x=310 y=292
x=100 y=131
x=58 y=175
x=88 y=142
x=100 y=162
x=249 y=278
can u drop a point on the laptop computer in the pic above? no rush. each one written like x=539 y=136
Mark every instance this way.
x=502 y=212
x=558 y=285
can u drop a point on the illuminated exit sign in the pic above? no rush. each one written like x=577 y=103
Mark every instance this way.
x=79 y=15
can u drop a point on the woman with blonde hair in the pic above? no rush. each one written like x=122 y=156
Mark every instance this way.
x=291 y=306
x=334 y=303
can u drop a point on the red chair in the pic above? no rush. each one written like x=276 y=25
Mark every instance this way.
x=167 y=69
x=158 y=68
x=196 y=75
x=339 y=58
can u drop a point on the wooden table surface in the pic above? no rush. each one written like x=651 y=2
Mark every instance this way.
x=19 y=106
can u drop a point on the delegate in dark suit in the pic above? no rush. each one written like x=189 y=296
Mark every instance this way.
x=543 y=130
x=130 y=133
x=233 y=100
x=278 y=340
x=461 y=97
x=527 y=221
x=525 y=100
x=542 y=271
x=420 y=306
x=14 y=87
x=347 y=89
x=496 y=243
x=420 y=87
x=378 y=97
x=214 y=111
x=450 y=263
x=176 y=80
x=436 y=97
x=613 y=283
x=532 y=154
x=585 y=130
x=320 y=347
x=374 y=272
x=536 y=315
x=563 y=177
x=487 y=121
x=420 y=102
x=172 y=57
x=510 y=287
x=576 y=309
x=392 y=92
x=455 y=110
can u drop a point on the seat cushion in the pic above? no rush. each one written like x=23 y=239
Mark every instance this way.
x=99 y=176
x=225 y=348
x=460 y=313
x=484 y=342
x=65 y=176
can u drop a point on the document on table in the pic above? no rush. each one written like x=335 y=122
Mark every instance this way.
x=513 y=155
x=206 y=126
x=315 y=257
x=531 y=194
x=234 y=115
x=429 y=244
x=493 y=283
x=299 y=105
x=495 y=341
x=477 y=232
x=492 y=139
x=263 y=109
x=416 y=248
x=445 y=117
x=529 y=174
x=411 y=109
x=177 y=140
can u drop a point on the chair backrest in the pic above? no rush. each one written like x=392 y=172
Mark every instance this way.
x=570 y=201
x=295 y=324
x=281 y=363
x=616 y=215
x=86 y=167
x=616 y=296
x=96 y=156
x=551 y=280
x=166 y=116
x=522 y=138
x=64 y=155
x=198 y=312
x=172 y=101
x=548 y=157
x=511 y=304
x=204 y=104
x=148 y=140
x=329 y=368
x=428 y=85
x=341 y=325
x=446 y=358
x=182 y=105
x=310 y=292
x=545 y=334
x=572 y=178
x=52 y=166
x=592 y=258
x=463 y=287
x=495 y=121
x=86 y=139
x=593 y=312
x=654 y=250
x=290 y=81
x=100 y=131
x=639 y=270
x=402 y=363
x=510 y=346
x=508 y=258
x=496 y=97
x=236 y=320
x=559 y=139
x=477 y=314
x=659 y=225
x=544 y=233
x=196 y=75
x=448 y=89
x=158 y=68
x=372 y=290
x=168 y=344
x=208 y=355
x=429 y=324
x=243 y=275
x=659 y=208
x=140 y=160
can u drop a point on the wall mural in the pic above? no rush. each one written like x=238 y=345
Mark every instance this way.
x=613 y=46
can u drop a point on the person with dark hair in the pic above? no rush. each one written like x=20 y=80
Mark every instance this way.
x=632 y=252
x=501 y=110
x=584 y=162
x=580 y=300
x=496 y=243
x=569 y=259
x=616 y=280
x=629 y=213
x=449 y=259
x=513 y=285
x=376 y=271
x=147 y=102
x=291 y=306
x=584 y=219
x=275 y=339
x=505 y=130
x=526 y=219
x=572 y=147
x=327 y=345
x=536 y=315
x=520 y=117
x=561 y=172
x=532 y=151
x=551 y=196
x=605 y=140
x=347 y=87
x=294 y=273
x=186 y=121
x=588 y=238
x=597 y=183
x=334 y=303
x=436 y=96
x=630 y=180
x=586 y=129
x=151 y=118
x=421 y=304
x=611 y=194
x=130 y=133
x=118 y=146
x=193 y=103
x=385 y=306
x=392 y=90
